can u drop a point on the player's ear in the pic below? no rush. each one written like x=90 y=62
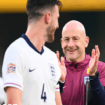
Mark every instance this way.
x=47 y=18
x=86 y=41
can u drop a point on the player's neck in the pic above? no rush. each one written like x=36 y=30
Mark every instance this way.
x=36 y=36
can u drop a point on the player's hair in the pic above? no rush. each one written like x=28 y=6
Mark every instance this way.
x=36 y=8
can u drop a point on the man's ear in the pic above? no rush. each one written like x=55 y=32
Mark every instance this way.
x=87 y=41
x=61 y=40
x=47 y=18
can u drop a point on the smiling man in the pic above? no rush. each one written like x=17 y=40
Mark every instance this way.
x=74 y=41
x=81 y=68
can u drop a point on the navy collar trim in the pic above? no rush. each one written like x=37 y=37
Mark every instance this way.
x=30 y=44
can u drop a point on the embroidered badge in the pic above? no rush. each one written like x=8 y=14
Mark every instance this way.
x=87 y=70
x=11 y=68
x=86 y=79
x=52 y=71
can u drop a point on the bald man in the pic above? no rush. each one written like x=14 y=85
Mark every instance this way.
x=81 y=68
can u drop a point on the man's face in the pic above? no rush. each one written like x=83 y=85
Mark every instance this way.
x=53 y=25
x=73 y=44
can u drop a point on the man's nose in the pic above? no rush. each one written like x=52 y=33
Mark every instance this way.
x=71 y=43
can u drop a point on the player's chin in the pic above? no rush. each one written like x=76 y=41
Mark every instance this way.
x=51 y=39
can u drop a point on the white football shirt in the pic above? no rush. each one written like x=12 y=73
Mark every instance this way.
x=35 y=73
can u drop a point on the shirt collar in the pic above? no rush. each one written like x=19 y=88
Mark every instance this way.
x=31 y=45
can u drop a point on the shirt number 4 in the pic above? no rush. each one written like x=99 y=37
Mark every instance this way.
x=43 y=95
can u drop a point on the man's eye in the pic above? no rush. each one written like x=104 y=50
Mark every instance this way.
x=66 y=40
x=75 y=38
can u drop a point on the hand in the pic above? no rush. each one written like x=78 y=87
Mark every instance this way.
x=93 y=64
x=62 y=67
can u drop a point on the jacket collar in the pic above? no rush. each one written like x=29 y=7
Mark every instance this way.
x=80 y=65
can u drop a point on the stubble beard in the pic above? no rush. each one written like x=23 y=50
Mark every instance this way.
x=50 y=34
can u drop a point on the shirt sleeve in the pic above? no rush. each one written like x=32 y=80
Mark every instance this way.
x=12 y=68
x=97 y=85
x=101 y=70
x=57 y=88
x=98 y=91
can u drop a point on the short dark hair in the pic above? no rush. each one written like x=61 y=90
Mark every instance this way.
x=35 y=8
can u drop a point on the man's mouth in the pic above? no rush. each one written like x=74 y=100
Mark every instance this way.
x=71 y=50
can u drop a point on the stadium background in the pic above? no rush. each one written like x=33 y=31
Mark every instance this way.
x=13 y=22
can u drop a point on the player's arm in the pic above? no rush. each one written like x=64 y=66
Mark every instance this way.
x=58 y=98
x=14 y=95
x=12 y=75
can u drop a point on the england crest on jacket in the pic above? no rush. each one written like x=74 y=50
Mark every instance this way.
x=86 y=79
x=52 y=71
